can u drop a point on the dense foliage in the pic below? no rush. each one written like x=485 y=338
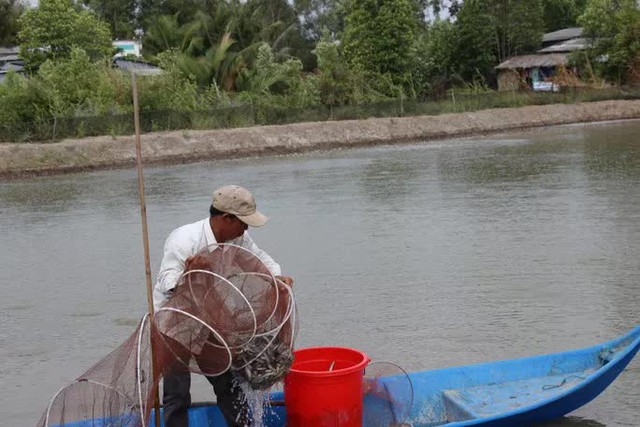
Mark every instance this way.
x=55 y=27
x=279 y=54
x=10 y=12
x=613 y=26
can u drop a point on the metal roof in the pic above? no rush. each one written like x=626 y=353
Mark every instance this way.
x=137 y=67
x=9 y=58
x=8 y=54
x=9 y=50
x=566 y=46
x=531 y=61
x=12 y=66
x=564 y=34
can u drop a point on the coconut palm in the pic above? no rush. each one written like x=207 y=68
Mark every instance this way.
x=217 y=44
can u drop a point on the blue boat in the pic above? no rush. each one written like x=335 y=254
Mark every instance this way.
x=515 y=393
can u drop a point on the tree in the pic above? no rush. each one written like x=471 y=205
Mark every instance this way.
x=10 y=12
x=91 y=90
x=613 y=28
x=559 y=14
x=55 y=27
x=269 y=76
x=119 y=14
x=475 y=53
x=187 y=10
x=317 y=15
x=491 y=31
x=218 y=65
x=334 y=76
x=379 y=37
x=519 y=26
x=437 y=57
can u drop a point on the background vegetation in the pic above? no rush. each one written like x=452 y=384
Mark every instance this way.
x=237 y=62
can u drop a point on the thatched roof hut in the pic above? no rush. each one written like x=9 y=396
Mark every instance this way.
x=521 y=71
x=535 y=70
x=537 y=60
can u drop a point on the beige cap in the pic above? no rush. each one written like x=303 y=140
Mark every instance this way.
x=238 y=201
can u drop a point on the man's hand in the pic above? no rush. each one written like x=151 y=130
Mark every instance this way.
x=286 y=280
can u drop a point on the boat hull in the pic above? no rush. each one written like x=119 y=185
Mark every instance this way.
x=520 y=392
x=513 y=393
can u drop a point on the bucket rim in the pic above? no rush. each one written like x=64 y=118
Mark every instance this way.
x=351 y=369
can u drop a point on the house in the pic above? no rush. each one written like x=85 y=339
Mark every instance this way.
x=537 y=70
x=136 y=66
x=559 y=36
x=129 y=59
x=9 y=60
x=127 y=47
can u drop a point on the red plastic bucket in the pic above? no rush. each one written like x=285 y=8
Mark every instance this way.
x=324 y=387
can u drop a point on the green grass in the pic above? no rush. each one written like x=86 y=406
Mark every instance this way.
x=256 y=114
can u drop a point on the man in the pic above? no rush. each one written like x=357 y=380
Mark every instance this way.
x=232 y=211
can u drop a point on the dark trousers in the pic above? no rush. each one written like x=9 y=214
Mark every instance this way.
x=176 y=398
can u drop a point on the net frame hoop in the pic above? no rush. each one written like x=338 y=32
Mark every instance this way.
x=233 y=245
x=253 y=313
x=290 y=313
x=294 y=310
x=275 y=284
x=275 y=331
x=138 y=364
x=213 y=331
x=84 y=380
x=215 y=246
x=406 y=374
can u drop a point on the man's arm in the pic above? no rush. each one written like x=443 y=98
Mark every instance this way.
x=248 y=243
x=173 y=262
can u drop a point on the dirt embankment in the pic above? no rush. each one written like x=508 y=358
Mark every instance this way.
x=183 y=146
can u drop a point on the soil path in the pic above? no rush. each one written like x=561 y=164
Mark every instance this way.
x=21 y=159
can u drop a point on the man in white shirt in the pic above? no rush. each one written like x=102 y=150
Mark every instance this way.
x=232 y=211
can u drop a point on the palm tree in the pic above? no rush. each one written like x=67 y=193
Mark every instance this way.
x=217 y=45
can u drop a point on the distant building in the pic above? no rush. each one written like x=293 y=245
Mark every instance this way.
x=556 y=37
x=136 y=66
x=537 y=70
x=123 y=59
x=127 y=47
x=9 y=60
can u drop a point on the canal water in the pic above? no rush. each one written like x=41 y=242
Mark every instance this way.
x=426 y=255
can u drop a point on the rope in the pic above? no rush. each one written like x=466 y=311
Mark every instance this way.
x=563 y=382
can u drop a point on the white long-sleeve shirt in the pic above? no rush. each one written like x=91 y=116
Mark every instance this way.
x=187 y=241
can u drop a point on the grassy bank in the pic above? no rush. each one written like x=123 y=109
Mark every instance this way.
x=170 y=147
x=261 y=113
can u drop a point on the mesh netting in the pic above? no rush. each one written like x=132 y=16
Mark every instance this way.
x=228 y=312
x=388 y=395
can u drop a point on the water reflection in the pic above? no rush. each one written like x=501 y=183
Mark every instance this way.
x=37 y=194
x=612 y=153
x=390 y=180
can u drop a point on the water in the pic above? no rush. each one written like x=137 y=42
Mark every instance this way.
x=425 y=255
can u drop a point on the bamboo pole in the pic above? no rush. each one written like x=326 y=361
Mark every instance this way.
x=145 y=236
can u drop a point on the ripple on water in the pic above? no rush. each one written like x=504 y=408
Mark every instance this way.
x=86 y=314
x=121 y=321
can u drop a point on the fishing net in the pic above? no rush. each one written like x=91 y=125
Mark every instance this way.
x=227 y=313
x=388 y=395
